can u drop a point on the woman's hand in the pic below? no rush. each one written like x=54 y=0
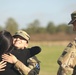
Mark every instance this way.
x=2 y=65
x=9 y=58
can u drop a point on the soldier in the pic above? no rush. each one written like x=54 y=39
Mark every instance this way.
x=67 y=60
x=73 y=22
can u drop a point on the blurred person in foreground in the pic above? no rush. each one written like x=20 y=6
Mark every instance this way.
x=67 y=60
x=32 y=63
x=6 y=42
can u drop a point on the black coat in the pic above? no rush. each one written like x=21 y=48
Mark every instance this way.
x=23 y=56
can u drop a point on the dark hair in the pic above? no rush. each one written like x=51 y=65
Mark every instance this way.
x=6 y=41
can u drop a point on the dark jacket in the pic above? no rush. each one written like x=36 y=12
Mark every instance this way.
x=23 y=56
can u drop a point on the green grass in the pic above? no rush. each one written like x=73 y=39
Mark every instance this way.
x=48 y=58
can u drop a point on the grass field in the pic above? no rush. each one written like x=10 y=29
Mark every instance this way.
x=49 y=55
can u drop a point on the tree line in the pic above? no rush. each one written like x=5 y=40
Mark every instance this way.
x=36 y=28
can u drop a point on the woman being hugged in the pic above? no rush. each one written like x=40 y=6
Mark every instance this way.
x=6 y=41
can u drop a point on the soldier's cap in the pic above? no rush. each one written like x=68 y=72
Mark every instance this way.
x=73 y=17
x=23 y=34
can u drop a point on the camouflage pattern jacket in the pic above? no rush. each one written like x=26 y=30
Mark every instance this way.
x=32 y=69
x=67 y=60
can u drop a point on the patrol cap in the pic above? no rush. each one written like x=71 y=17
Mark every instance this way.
x=23 y=34
x=73 y=17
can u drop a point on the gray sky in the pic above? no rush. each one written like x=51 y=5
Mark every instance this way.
x=26 y=11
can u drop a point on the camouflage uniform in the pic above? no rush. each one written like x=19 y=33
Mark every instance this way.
x=67 y=60
x=73 y=22
x=33 y=64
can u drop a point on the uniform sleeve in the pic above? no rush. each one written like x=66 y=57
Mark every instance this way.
x=34 y=65
x=34 y=50
x=24 y=70
x=34 y=70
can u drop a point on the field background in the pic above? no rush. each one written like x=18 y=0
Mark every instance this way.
x=49 y=55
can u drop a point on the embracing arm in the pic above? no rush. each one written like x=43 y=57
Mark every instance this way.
x=23 y=69
x=34 y=50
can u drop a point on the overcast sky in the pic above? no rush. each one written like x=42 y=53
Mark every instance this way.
x=26 y=11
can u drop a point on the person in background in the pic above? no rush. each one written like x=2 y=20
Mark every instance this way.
x=73 y=22
x=34 y=65
x=67 y=60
